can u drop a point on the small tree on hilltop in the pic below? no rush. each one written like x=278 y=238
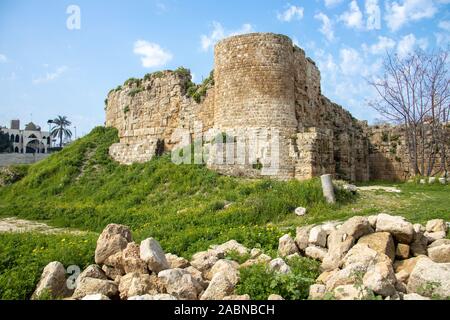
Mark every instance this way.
x=60 y=128
x=415 y=93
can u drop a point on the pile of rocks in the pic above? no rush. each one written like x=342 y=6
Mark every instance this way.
x=379 y=255
x=362 y=257
x=128 y=271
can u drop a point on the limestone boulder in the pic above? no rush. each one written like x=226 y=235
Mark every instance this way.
x=440 y=253
x=261 y=259
x=113 y=239
x=402 y=251
x=316 y=252
x=407 y=265
x=440 y=242
x=400 y=229
x=52 y=282
x=429 y=279
x=350 y=292
x=176 y=261
x=300 y=211
x=434 y=236
x=362 y=255
x=197 y=275
x=163 y=296
x=255 y=252
x=356 y=227
x=89 y=286
x=286 y=246
x=231 y=246
x=221 y=285
x=381 y=242
x=278 y=265
x=318 y=236
x=92 y=271
x=436 y=225
x=111 y=272
x=137 y=284
x=275 y=297
x=152 y=254
x=419 y=245
x=243 y=297
x=339 y=243
x=230 y=268
x=180 y=283
x=205 y=260
x=317 y=292
x=131 y=259
x=346 y=276
x=96 y=297
x=380 y=278
x=414 y=296
x=302 y=237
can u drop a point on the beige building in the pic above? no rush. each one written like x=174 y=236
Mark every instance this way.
x=31 y=139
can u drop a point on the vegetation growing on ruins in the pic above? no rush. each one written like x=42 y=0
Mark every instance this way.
x=197 y=92
x=260 y=282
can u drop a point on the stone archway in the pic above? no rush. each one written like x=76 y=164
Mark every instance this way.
x=34 y=146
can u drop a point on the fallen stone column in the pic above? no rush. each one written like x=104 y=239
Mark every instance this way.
x=328 y=189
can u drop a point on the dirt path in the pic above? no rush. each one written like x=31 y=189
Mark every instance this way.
x=375 y=188
x=15 y=225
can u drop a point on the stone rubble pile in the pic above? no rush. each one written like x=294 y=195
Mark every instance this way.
x=379 y=255
x=362 y=257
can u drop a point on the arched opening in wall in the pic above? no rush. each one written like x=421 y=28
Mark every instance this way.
x=12 y=138
x=48 y=140
x=17 y=138
x=16 y=150
x=159 y=147
x=32 y=136
x=34 y=146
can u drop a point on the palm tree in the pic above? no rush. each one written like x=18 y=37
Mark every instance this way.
x=60 y=129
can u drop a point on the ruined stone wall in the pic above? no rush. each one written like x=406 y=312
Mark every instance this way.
x=388 y=152
x=147 y=112
x=265 y=87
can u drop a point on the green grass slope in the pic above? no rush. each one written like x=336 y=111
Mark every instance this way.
x=182 y=206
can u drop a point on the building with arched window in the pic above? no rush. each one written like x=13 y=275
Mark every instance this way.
x=31 y=139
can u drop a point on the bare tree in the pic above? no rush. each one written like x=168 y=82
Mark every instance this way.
x=414 y=92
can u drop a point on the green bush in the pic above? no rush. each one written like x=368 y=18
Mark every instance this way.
x=260 y=282
x=24 y=255
x=135 y=91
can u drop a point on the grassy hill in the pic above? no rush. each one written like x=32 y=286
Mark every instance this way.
x=182 y=206
x=186 y=207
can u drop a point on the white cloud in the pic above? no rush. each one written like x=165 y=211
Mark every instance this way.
x=152 y=55
x=445 y=25
x=331 y=3
x=218 y=33
x=50 y=76
x=327 y=26
x=384 y=44
x=398 y=14
x=353 y=18
x=292 y=12
x=3 y=58
x=409 y=43
x=373 y=15
x=351 y=62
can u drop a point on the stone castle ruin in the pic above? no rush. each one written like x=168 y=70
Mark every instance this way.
x=265 y=87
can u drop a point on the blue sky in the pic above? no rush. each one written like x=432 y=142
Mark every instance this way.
x=47 y=68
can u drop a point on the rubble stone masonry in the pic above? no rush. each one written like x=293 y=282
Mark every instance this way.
x=264 y=86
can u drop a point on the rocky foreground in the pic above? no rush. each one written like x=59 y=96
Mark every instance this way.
x=362 y=258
